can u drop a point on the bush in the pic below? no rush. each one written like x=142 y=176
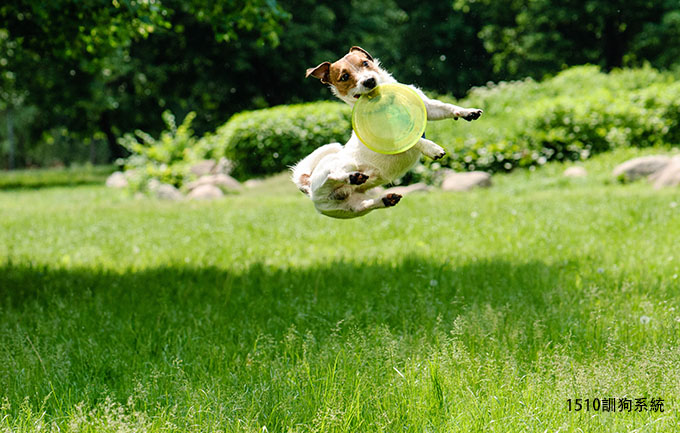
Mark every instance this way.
x=571 y=116
x=166 y=159
x=271 y=140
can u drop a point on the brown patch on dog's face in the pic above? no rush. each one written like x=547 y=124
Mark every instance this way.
x=343 y=74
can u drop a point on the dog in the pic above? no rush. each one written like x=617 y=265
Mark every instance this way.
x=339 y=178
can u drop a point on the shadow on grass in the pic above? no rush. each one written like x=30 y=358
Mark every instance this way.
x=406 y=296
x=93 y=332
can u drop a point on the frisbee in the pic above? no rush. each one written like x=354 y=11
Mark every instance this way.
x=390 y=119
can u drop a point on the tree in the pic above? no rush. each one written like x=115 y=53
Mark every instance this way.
x=70 y=56
x=543 y=36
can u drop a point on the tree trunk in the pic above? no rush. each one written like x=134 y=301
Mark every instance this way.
x=11 y=140
x=115 y=150
x=93 y=151
x=614 y=45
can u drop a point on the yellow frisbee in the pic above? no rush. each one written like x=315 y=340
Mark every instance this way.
x=390 y=119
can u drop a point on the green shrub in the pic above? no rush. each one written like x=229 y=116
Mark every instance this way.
x=577 y=113
x=271 y=140
x=166 y=159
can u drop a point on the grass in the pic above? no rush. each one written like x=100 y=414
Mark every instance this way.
x=43 y=178
x=470 y=312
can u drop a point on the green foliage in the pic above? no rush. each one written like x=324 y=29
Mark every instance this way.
x=658 y=42
x=543 y=36
x=580 y=112
x=167 y=158
x=271 y=140
x=79 y=63
x=102 y=68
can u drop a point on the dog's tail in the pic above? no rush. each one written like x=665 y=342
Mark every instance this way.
x=302 y=171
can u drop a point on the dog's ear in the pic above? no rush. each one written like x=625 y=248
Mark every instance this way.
x=322 y=72
x=361 y=50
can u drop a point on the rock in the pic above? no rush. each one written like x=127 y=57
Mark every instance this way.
x=153 y=184
x=117 y=180
x=575 y=171
x=643 y=166
x=223 y=166
x=209 y=166
x=669 y=175
x=466 y=181
x=204 y=167
x=165 y=191
x=205 y=192
x=409 y=189
x=227 y=183
x=252 y=183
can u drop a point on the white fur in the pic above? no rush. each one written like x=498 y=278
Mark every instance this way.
x=324 y=175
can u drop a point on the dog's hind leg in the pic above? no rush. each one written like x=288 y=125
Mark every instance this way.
x=302 y=171
x=350 y=177
x=362 y=202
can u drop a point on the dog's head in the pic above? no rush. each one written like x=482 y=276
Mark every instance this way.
x=351 y=76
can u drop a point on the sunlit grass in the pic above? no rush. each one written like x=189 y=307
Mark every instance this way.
x=450 y=312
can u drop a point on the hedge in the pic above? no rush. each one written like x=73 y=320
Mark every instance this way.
x=271 y=140
x=579 y=112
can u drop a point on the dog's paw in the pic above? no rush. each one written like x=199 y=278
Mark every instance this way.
x=391 y=199
x=470 y=114
x=439 y=154
x=357 y=178
x=435 y=152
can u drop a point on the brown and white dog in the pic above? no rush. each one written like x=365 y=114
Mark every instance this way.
x=338 y=178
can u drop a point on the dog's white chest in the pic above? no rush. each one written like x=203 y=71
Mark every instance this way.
x=390 y=167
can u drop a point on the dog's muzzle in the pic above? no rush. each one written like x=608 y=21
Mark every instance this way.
x=369 y=83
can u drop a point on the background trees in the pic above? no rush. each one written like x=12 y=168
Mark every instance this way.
x=76 y=75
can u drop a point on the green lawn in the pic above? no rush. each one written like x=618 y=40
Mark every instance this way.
x=454 y=312
x=66 y=176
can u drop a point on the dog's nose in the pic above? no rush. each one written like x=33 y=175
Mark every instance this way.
x=369 y=83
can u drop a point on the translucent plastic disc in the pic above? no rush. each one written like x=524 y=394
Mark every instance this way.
x=391 y=119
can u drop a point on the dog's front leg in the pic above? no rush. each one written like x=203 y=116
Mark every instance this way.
x=438 y=110
x=430 y=149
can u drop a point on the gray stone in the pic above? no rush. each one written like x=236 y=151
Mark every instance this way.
x=165 y=191
x=223 y=181
x=252 y=183
x=466 y=181
x=575 y=171
x=223 y=166
x=153 y=184
x=669 y=175
x=643 y=166
x=204 y=167
x=117 y=180
x=408 y=189
x=205 y=192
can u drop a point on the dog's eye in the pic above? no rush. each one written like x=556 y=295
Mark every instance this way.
x=365 y=63
x=344 y=77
